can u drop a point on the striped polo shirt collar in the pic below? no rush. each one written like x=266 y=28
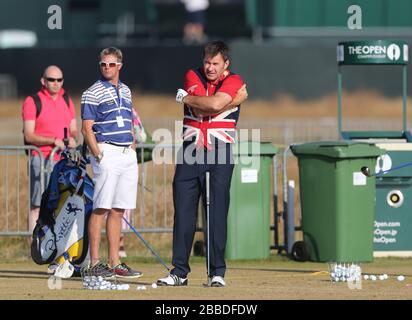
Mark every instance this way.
x=106 y=83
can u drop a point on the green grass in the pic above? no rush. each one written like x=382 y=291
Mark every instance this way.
x=16 y=249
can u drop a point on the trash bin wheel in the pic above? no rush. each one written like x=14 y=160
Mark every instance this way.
x=299 y=252
x=199 y=248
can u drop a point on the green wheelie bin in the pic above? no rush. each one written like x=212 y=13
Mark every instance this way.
x=248 y=233
x=337 y=200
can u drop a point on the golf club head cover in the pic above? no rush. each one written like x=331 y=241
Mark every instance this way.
x=180 y=95
x=64 y=270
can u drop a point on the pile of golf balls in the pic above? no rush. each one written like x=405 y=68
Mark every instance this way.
x=98 y=283
x=345 y=272
x=375 y=277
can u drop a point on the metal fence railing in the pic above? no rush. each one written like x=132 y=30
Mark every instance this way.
x=154 y=200
x=154 y=210
x=152 y=214
x=14 y=188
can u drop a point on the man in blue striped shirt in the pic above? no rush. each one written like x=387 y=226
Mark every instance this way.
x=106 y=109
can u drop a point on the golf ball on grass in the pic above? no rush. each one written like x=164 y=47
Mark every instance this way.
x=122 y=287
x=154 y=285
x=400 y=278
x=141 y=288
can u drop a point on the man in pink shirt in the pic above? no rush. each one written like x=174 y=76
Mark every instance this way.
x=45 y=129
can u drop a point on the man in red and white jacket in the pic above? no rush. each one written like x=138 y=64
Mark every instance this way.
x=211 y=96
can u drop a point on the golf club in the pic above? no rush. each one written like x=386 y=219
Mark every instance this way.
x=365 y=170
x=147 y=245
x=66 y=139
x=207 y=225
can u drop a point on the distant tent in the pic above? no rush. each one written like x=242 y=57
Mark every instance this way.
x=17 y=39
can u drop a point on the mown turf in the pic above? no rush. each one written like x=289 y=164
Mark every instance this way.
x=272 y=279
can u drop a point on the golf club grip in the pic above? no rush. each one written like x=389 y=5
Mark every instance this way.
x=65 y=139
x=207 y=187
x=84 y=149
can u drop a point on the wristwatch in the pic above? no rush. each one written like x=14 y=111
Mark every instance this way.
x=99 y=157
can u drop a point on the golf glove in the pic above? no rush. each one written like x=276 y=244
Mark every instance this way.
x=180 y=95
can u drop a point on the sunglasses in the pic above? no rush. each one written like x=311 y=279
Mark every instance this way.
x=54 y=79
x=109 y=64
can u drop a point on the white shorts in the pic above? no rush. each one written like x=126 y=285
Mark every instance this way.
x=115 y=178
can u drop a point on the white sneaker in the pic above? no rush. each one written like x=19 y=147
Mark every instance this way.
x=217 y=281
x=172 y=280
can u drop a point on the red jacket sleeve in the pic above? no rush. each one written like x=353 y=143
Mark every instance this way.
x=231 y=85
x=193 y=85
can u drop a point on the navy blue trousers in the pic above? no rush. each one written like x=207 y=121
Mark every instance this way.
x=189 y=184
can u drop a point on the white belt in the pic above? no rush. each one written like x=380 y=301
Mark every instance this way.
x=120 y=149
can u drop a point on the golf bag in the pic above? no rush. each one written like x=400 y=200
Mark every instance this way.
x=61 y=231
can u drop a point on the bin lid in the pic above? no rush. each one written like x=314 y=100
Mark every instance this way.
x=339 y=149
x=254 y=148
